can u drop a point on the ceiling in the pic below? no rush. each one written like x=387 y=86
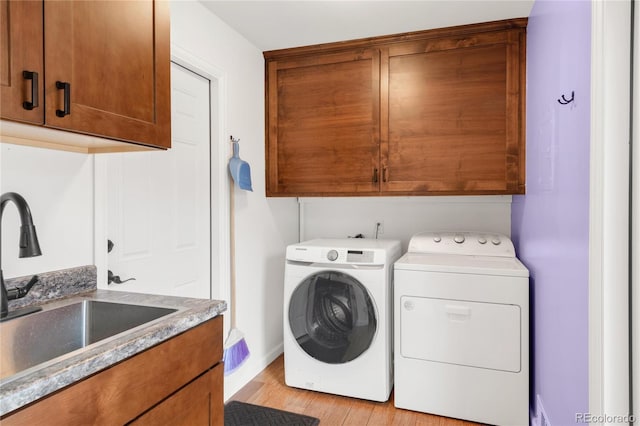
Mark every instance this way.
x=272 y=25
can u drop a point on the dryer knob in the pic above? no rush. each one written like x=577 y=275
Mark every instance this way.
x=332 y=255
x=459 y=239
x=496 y=241
x=482 y=240
x=437 y=239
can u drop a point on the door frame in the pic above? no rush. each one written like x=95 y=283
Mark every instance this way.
x=609 y=382
x=219 y=194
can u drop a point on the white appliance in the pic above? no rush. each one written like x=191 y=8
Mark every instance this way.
x=338 y=317
x=461 y=328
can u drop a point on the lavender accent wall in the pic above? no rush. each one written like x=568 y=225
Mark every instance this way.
x=550 y=224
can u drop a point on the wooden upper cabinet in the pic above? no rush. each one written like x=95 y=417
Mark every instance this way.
x=104 y=71
x=114 y=59
x=21 y=67
x=452 y=114
x=426 y=113
x=323 y=124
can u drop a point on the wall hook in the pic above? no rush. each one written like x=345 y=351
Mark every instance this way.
x=233 y=140
x=565 y=101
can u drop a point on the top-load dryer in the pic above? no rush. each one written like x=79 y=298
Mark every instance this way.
x=461 y=342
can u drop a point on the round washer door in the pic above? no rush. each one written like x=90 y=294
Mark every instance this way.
x=332 y=317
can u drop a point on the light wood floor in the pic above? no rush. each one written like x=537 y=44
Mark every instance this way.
x=268 y=389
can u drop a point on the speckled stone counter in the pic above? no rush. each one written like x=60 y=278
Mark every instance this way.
x=54 y=285
x=39 y=381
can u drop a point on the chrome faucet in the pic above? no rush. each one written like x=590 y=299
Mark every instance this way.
x=29 y=247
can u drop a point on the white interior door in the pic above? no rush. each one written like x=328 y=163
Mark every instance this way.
x=158 y=203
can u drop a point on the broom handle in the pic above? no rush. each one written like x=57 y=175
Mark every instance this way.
x=232 y=254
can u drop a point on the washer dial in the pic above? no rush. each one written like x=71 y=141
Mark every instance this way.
x=332 y=255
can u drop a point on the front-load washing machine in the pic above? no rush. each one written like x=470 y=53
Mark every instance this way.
x=338 y=317
x=461 y=339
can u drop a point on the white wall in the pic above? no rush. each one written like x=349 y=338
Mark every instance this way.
x=403 y=217
x=58 y=187
x=264 y=227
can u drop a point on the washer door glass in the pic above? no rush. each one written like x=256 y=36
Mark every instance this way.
x=332 y=317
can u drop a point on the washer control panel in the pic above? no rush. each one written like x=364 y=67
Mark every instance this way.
x=462 y=243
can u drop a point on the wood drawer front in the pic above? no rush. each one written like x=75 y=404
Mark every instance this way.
x=200 y=403
x=122 y=392
x=323 y=124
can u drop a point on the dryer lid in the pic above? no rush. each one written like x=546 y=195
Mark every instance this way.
x=451 y=263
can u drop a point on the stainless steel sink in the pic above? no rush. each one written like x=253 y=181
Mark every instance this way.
x=37 y=338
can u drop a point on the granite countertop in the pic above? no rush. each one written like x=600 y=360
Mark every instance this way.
x=41 y=380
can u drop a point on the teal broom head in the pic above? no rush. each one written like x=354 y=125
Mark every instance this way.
x=236 y=351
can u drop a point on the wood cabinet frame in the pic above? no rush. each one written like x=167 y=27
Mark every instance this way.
x=115 y=61
x=505 y=172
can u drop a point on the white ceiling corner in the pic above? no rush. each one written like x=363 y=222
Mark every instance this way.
x=272 y=25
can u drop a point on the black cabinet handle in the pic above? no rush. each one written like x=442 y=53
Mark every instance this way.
x=33 y=76
x=384 y=174
x=375 y=175
x=66 y=87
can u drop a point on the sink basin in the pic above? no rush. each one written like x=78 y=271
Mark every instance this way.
x=37 y=338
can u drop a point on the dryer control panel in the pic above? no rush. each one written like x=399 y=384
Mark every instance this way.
x=462 y=243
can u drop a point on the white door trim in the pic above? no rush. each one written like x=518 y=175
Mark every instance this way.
x=220 y=152
x=635 y=221
x=609 y=200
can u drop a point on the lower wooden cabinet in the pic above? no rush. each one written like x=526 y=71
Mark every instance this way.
x=195 y=404
x=178 y=382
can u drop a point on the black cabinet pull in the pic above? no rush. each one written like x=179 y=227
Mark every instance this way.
x=384 y=174
x=66 y=87
x=33 y=76
x=375 y=175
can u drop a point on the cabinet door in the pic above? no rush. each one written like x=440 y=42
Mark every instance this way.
x=323 y=124
x=200 y=403
x=453 y=115
x=20 y=51
x=115 y=57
